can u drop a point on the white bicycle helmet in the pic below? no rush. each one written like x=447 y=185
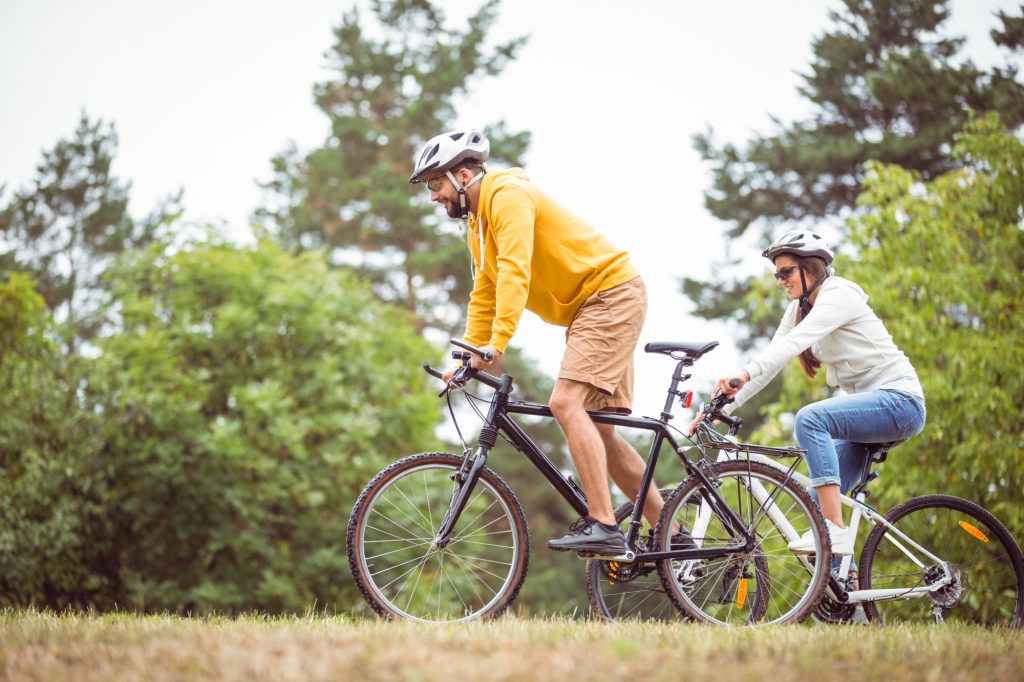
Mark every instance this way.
x=446 y=150
x=800 y=243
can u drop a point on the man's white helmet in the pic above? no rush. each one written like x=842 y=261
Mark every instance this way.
x=446 y=150
x=800 y=243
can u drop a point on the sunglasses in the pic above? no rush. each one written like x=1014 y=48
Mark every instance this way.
x=435 y=184
x=782 y=274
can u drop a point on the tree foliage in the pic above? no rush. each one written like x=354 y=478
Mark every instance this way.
x=399 y=76
x=224 y=436
x=942 y=262
x=886 y=84
x=66 y=229
x=53 y=532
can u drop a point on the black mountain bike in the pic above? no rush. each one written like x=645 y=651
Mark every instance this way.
x=440 y=537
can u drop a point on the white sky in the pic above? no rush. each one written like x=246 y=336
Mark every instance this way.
x=204 y=92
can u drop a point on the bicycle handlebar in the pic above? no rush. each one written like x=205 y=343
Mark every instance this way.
x=486 y=355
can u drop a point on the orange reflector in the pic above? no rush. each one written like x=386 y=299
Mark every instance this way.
x=741 y=593
x=688 y=400
x=973 y=530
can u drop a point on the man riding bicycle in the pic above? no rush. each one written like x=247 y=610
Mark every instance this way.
x=531 y=253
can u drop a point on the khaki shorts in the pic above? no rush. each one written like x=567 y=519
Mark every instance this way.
x=600 y=344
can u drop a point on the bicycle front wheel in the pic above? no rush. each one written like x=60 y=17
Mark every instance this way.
x=966 y=550
x=629 y=591
x=764 y=583
x=399 y=567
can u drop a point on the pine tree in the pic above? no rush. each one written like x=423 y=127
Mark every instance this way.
x=398 y=78
x=67 y=227
x=887 y=85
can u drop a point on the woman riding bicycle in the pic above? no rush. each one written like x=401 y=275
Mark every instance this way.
x=830 y=323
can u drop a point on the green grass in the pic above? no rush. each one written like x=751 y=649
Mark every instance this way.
x=44 y=646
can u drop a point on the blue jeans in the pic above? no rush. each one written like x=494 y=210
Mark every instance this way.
x=834 y=432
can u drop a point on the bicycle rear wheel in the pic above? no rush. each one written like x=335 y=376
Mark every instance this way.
x=629 y=591
x=396 y=563
x=764 y=584
x=983 y=559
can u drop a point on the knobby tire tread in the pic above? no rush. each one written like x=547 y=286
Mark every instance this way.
x=361 y=507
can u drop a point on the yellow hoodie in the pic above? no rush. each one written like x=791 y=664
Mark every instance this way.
x=536 y=255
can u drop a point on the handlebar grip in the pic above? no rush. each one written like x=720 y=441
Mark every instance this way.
x=431 y=371
x=486 y=355
x=734 y=383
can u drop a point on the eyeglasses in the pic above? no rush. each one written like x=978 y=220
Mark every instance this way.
x=782 y=274
x=434 y=184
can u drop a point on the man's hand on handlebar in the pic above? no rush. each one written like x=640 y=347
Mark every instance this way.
x=478 y=362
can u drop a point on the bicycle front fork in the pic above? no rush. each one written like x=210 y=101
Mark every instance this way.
x=465 y=483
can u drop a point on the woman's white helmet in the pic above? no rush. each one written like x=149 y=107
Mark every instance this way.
x=447 y=150
x=800 y=243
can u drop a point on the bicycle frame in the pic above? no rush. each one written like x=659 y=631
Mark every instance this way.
x=860 y=510
x=498 y=420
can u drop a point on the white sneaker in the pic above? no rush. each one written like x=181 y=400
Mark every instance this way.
x=841 y=539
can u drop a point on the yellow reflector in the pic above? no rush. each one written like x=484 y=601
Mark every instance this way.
x=973 y=530
x=741 y=593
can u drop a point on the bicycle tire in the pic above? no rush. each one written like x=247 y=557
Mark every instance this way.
x=718 y=590
x=633 y=591
x=402 y=574
x=984 y=558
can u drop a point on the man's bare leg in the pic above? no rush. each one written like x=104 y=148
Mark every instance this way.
x=586 y=446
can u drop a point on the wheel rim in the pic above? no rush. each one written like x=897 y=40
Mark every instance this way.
x=412 y=577
x=985 y=586
x=770 y=584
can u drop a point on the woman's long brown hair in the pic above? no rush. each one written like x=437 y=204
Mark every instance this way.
x=813 y=268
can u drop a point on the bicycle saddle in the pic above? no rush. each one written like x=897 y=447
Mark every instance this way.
x=690 y=350
x=881 y=450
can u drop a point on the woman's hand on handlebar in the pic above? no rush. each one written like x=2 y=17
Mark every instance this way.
x=732 y=383
x=696 y=420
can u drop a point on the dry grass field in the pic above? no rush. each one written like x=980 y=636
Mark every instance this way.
x=40 y=646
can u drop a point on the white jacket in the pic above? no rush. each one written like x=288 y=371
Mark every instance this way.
x=845 y=334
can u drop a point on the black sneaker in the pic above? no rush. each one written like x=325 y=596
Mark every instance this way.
x=587 y=535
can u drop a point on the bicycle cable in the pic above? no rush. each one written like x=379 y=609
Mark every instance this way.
x=455 y=421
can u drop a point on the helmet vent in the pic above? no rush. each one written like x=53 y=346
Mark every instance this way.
x=429 y=153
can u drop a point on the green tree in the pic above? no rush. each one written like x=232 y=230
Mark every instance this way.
x=250 y=397
x=68 y=226
x=53 y=532
x=886 y=84
x=399 y=75
x=228 y=429
x=942 y=261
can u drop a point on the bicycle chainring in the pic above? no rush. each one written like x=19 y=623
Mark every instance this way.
x=624 y=572
x=829 y=610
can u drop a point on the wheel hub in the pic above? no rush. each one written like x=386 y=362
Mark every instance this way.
x=949 y=595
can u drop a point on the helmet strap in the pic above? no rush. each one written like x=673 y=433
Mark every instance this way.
x=805 y=298
x=461 y=189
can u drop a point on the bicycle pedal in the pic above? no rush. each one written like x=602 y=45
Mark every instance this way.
x=627 y=557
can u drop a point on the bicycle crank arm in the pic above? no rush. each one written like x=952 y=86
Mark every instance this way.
x=626 y=558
